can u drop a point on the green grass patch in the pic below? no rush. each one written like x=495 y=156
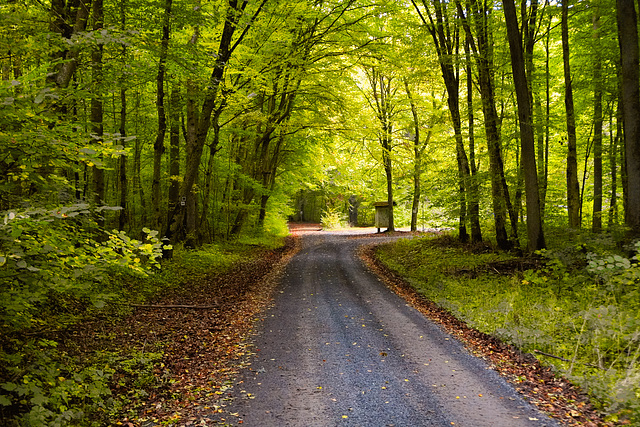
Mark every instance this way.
x=579 y=301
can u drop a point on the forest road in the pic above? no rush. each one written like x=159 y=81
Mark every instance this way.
x=338 y=348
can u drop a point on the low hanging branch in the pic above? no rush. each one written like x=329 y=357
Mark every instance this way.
x=169 y=306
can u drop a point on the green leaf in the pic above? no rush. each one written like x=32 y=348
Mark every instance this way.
x=4 y=400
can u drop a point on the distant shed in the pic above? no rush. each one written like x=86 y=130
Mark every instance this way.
x=382 y=215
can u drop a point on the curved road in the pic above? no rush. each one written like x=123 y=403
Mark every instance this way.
x=338 y=348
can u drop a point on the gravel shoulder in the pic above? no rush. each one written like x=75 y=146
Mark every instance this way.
x=339 y=348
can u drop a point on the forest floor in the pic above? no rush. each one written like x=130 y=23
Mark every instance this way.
x=206 y=349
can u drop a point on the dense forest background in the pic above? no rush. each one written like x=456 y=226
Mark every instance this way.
x=204 y=120
x=128 y=128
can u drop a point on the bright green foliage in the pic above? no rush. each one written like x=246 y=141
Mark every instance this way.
x=332 y=218
x=53 y=257
x=580 y=306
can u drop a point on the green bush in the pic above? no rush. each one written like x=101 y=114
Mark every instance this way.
x=333 y=219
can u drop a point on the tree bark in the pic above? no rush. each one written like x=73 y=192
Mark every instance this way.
x=613 y=165
x=573 y=187
x=97 y=107
x=158 y=146
x=195 y=146
x=628 y=39
x=446 y=44
x=123 y=217
x=534 y=219
x=483 y=51
x=474 y=184
x=63 y=14
x=596 y=224
x=174 y=150
x=418 y=150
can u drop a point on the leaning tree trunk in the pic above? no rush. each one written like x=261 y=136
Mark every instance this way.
x=445 y=40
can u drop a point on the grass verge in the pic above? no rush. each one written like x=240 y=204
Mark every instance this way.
x=575 y=307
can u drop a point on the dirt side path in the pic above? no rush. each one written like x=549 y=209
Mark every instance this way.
x=339 y=348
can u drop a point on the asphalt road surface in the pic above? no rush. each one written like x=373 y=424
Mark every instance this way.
x=338 y=348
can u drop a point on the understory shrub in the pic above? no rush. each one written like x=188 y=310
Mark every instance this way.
x=332 y=219
x=582 y=304
x=59 y=270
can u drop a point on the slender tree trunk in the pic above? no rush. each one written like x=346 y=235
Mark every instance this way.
x=544 y=152
x=174 y=150
x=418 y=150
x=123 y=217
x=596 y=225
x=613 y=166
x=628 y=39
x=446 y=42
x=158 y=146
x=97 y=107
x=573 y=187
x=474 y=184
x=480 y=16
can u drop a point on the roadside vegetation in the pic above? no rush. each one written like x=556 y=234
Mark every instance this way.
x=575 y=305
x=67 y=356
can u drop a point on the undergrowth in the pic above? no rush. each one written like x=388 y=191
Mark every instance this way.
x=581 y=305
x=58 y=278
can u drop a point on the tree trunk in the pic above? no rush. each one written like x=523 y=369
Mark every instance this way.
x=596 y=225
x=534 y=219
x=628 y=39
x=484 y=63
x=174 y=150
x=474 y=184
x=158 y=146
x=123 y=217
x=613 y=165
x=446 y=42
x=418 y=150
x=196 y=145
x=573 y=187
x=62 y=15
x=97 y=107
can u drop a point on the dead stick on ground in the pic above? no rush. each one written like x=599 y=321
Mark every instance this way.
x=562 y=358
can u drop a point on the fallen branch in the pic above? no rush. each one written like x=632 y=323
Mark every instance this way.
x=563 y=359
x=193 y=307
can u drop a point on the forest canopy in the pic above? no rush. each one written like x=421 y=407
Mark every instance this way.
x=128 y=128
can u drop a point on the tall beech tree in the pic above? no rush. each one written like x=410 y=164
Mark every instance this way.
x=630 y=59
x=525 y=118
x=384 y=87
x=573 y=186
x=477 y=26
x=446 y=41
x=196 y=140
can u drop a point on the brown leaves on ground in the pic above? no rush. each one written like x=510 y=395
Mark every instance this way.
x=203 y=348
x=552 y=394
